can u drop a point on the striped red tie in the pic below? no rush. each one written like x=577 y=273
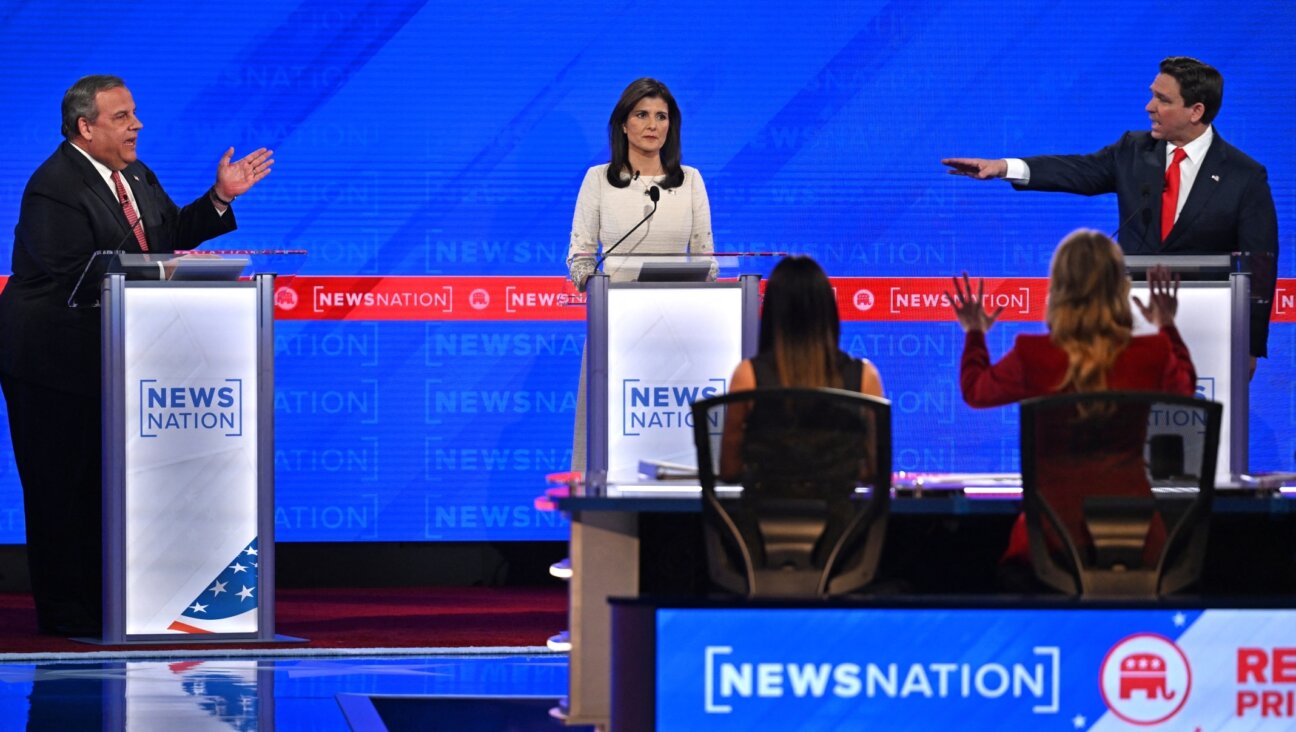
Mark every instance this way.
x=131 y=217
x=1170 y=194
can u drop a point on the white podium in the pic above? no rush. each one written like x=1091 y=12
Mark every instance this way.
x=188 y=438
x=652 y=349
x=1214 y=322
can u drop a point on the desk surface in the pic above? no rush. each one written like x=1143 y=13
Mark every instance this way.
x=926 y=494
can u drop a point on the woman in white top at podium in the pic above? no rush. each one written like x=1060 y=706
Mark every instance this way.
x=644 y=137
x=616 y=197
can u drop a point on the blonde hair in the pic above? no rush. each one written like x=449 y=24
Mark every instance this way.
x=1088 y=310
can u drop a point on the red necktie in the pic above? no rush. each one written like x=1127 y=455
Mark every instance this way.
x=1170 y=194
x=132 y=218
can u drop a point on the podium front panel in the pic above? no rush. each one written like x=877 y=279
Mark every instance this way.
x=1205 y=324
x=668 y=346
x=191 y=460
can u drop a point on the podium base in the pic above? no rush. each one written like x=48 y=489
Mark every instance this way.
x=190 y=640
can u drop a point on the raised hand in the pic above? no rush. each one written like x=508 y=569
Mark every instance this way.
x=978 y=168
x=1163 y=297
x=969 y=308
x=234 y=179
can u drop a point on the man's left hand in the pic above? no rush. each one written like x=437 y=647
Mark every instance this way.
x=234 y=179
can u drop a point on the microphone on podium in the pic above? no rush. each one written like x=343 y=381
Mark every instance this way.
x=1142 y=208
x=98 y=265
x=130 y=231
x=655 y=194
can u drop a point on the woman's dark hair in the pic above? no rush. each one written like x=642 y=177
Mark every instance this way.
x=800 y=325
x=619 y=172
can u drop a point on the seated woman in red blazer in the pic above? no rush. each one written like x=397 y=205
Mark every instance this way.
x=1089 y=347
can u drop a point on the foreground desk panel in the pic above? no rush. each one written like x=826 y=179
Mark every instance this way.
x=646 y=539
x=967 y=666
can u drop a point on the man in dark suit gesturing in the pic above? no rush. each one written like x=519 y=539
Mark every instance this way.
x=92 y=194
x=1180 y=187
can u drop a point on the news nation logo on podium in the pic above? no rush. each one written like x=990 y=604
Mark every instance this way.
x=172 y=408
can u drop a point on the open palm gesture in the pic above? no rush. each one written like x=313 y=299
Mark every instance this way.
x=234 y=179
x=1163 y=297
x=970 y=308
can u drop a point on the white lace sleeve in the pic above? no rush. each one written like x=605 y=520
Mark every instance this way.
x=585 y=228
x=700 y=240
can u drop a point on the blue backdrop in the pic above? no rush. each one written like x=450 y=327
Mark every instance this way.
x=419 y=138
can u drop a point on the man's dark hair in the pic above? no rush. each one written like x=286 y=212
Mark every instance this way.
x=79 y=101
x=1198 y=82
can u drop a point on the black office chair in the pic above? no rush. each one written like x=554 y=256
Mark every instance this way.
x=1117 y=490
x=800 y=527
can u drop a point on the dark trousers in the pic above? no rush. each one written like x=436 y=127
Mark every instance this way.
x=56 y=443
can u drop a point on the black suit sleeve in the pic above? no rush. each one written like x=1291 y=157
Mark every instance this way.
x=1087 y=175
x=174 y=228
x=42 y=212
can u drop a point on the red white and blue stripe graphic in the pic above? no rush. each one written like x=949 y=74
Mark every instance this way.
x=229 y=600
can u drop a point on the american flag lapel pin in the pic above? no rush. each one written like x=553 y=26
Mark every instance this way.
x=1215 y=178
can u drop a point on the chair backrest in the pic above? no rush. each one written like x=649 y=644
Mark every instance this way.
x=1117 y=490
x=815 y=467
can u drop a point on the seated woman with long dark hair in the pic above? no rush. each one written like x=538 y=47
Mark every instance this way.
x=799 y=334
x=1089 y=347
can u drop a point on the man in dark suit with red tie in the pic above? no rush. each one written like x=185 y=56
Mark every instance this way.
x=1180 y=187
x=92 y=194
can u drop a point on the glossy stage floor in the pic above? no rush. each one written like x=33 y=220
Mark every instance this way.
x=457 y=689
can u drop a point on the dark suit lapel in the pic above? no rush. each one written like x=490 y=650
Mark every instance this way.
x=1150 y=176
x=1209 y=175
x=95 y=182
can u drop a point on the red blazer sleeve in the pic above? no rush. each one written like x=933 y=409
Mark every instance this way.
x=987 y=385
x=1179 y=376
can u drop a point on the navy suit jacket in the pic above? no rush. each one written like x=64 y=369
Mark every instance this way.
x=68 y=212
x=1229 y=209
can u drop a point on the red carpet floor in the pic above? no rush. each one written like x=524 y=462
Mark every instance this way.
x=388 y=617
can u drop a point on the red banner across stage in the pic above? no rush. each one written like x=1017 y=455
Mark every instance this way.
x=922 y=299
x=427 y=298
x=860 y=299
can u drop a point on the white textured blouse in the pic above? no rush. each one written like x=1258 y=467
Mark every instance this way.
x=604 y=213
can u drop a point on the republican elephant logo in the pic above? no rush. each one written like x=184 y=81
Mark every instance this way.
x=1145 y=679
x=1145 y=672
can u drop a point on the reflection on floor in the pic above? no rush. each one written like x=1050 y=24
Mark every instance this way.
x=460 y=692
